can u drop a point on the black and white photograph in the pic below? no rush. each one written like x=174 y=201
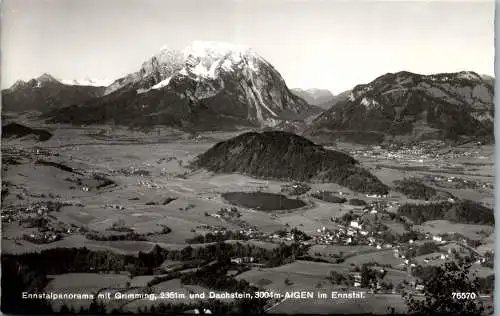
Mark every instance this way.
x=244 y=157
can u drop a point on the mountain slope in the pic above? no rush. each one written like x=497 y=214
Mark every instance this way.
x=45 y=93
x=286 y=156
x=314 y=96
x=205 y=86
x=442 y=106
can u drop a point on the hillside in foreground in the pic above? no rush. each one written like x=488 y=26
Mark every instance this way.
x=286 y=156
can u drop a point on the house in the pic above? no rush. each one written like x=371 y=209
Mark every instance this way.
x=357 y=284
x=379 y=247
x=356 y=276
x=355 y=224
x=237 y=260
x=437 y=238
x=419 y=287
x=411 y=241
x=443 y=256
x=373 y=212
x=363 y=232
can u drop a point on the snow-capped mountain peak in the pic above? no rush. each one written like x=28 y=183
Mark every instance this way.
x=221 y=78
x=200 y=60
x=87 y=82
x=213 y=49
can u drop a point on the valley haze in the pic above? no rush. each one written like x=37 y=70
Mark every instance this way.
x=321 y=161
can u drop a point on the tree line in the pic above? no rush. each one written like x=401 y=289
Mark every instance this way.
x=465 y=212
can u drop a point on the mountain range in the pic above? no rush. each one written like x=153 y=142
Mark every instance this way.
x=206 y=86
x=46 y=93
x=318 y=97
x=219 y=86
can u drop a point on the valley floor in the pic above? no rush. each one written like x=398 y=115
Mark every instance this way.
x=145 y=184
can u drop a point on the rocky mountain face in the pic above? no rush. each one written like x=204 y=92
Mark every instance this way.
x=286 y=156
x=404 y=105
x=205 y=86
x=315 y=96
x=45 y=93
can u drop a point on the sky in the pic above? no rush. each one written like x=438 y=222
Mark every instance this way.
x=325 y=44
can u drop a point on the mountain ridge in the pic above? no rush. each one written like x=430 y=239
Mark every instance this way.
x=314 y=96
x=45 y=93
x=443 y=106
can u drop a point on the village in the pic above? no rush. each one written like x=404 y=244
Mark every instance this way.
x=417 y=153
x=36 y=217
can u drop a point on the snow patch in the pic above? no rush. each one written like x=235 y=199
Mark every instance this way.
x=468 y=75
x=162 y=84
x=227 y=65
x=140 y=91
x=252 y=65
x=369 y=103
x=200 y=70
x=88 y=82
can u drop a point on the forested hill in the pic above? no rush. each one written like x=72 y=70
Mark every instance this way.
x=286 y=156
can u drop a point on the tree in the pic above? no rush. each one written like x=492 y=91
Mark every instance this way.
x=368 y=277
x=452 y=277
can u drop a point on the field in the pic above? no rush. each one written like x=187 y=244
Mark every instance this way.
x=474 y=232
x=381 y=257
x=302 y=276
x=340 y=250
